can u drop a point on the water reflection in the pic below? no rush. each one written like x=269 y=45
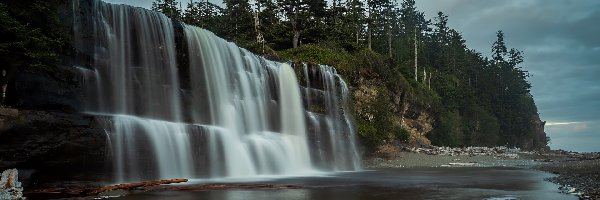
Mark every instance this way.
x=388 y=184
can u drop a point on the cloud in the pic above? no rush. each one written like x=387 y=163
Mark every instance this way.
x=574 y=136
x=560 y=40
x=573 y=126
x=561 y=123
x=562 y=52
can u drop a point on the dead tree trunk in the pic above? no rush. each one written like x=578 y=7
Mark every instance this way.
x=429 y=81
x=416 y=58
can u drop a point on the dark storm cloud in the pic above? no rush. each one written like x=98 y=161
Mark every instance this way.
x=561 y=41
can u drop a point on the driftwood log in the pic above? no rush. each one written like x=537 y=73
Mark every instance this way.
x=212 y=187
x=129 y=186
x=88 y=191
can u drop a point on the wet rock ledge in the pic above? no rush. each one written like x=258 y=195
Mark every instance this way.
x=50 y=143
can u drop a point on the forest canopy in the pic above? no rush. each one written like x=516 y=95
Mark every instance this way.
x=478 y=100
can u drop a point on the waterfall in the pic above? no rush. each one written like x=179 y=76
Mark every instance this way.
x=183 y=103
x=334 y=130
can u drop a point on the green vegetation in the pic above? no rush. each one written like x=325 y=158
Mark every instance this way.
x=388 y=46
x=476 y=100
x=29 y=34
x=30 y=38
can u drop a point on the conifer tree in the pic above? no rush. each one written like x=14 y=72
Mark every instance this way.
x=238 y=21
x=355 y=18
x=168 y=7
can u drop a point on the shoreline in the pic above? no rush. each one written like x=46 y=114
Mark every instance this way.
x=576 y=173
x=389 y=156
x=412 y=159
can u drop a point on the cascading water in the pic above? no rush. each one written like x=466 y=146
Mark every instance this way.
x=135 y=81
x=237 y=85
x=224 y=113
x=333 y=132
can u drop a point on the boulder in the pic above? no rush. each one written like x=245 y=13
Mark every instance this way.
x=10 y=187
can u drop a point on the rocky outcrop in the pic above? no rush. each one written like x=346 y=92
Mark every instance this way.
x=539 y=141
x=51 y=139
x=418 y=120
x=53 y=87
x=10 y=187
x=41 y=88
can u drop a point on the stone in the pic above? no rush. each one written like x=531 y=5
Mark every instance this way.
x=46 y=89
x=52 y=139
x=462 y=164
x=10 y=187
x=9 y=112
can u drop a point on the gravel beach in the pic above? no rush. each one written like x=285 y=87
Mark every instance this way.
x=399 y=157
x=577 y=173
x=411 y=159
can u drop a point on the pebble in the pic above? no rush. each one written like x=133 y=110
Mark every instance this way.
x=500 y=152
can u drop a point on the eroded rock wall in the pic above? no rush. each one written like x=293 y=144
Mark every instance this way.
x=417 y=119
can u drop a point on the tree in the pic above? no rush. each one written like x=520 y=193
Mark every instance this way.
x=30 y=38
x=192 y=14
x=375 y=20
x=335 y=23
x=292 y=10
x=355 y=18
x=314 y=20
x=304 y=17
x=441 y=29
x=413 y=24
x=441 y=40
x=29 y=34
x=168 y=7
x=238 y=21
x=268 y=20
x=499 y=48
x=390 y=23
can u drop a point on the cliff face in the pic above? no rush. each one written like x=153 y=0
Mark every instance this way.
x=50 y=140
x=45 y=129
x=406 y=113
x=539 y=139
x=426 y=120
x=418 y=121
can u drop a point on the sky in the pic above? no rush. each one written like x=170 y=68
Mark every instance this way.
x=561 y=42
